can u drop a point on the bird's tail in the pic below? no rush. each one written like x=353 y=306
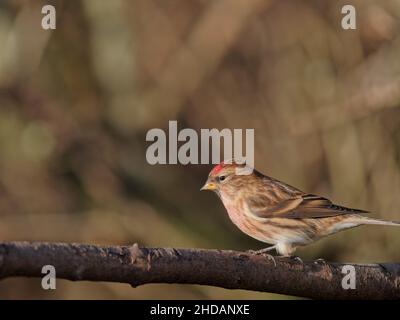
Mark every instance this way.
x=366 y=220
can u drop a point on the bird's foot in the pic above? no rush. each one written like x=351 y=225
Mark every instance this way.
x=264 y=253
x=320 y=261
x=296 y=258
x=257 y=252
x=253 y=251
x=270 y=257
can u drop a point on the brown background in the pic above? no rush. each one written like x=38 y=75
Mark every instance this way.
x=76 y=103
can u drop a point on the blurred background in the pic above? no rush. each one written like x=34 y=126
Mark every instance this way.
x=76 y=104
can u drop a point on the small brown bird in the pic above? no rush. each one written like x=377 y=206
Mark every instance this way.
x=276 y=213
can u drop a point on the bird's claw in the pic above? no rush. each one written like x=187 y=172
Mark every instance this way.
x=253 y=251
x=270 y=257
x=257 y=252
x=263 y=253
x=320 y=261
x=296 y=258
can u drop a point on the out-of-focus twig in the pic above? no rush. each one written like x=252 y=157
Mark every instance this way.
x=371 y=87
x=208 y=42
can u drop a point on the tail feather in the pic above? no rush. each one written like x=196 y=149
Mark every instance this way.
x=365 y=220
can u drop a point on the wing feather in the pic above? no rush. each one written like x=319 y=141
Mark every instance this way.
x=301 y=206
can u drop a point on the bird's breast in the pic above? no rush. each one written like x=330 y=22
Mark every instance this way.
x=272 y=230
x=252 y=227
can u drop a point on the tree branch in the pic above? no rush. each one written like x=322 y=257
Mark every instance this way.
x=228 y=269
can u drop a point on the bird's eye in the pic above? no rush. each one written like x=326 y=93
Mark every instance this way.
x=221 y=178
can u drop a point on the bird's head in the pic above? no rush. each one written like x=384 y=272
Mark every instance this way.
x=227 y=177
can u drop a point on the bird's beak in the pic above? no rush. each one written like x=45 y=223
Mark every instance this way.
x=208 y=186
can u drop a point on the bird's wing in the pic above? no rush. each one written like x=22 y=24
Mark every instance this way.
x=300 y=206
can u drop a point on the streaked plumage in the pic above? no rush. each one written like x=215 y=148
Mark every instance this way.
x=276 y=213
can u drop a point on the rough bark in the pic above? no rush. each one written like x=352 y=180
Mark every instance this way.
x=228 y=269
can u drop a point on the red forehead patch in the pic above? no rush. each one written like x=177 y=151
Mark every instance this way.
x=221 y=166
x=217 y=168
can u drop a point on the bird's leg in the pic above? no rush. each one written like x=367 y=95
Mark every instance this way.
x=262 y=250
x=264 y=253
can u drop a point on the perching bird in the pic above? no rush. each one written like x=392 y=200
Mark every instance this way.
x=278 y=214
